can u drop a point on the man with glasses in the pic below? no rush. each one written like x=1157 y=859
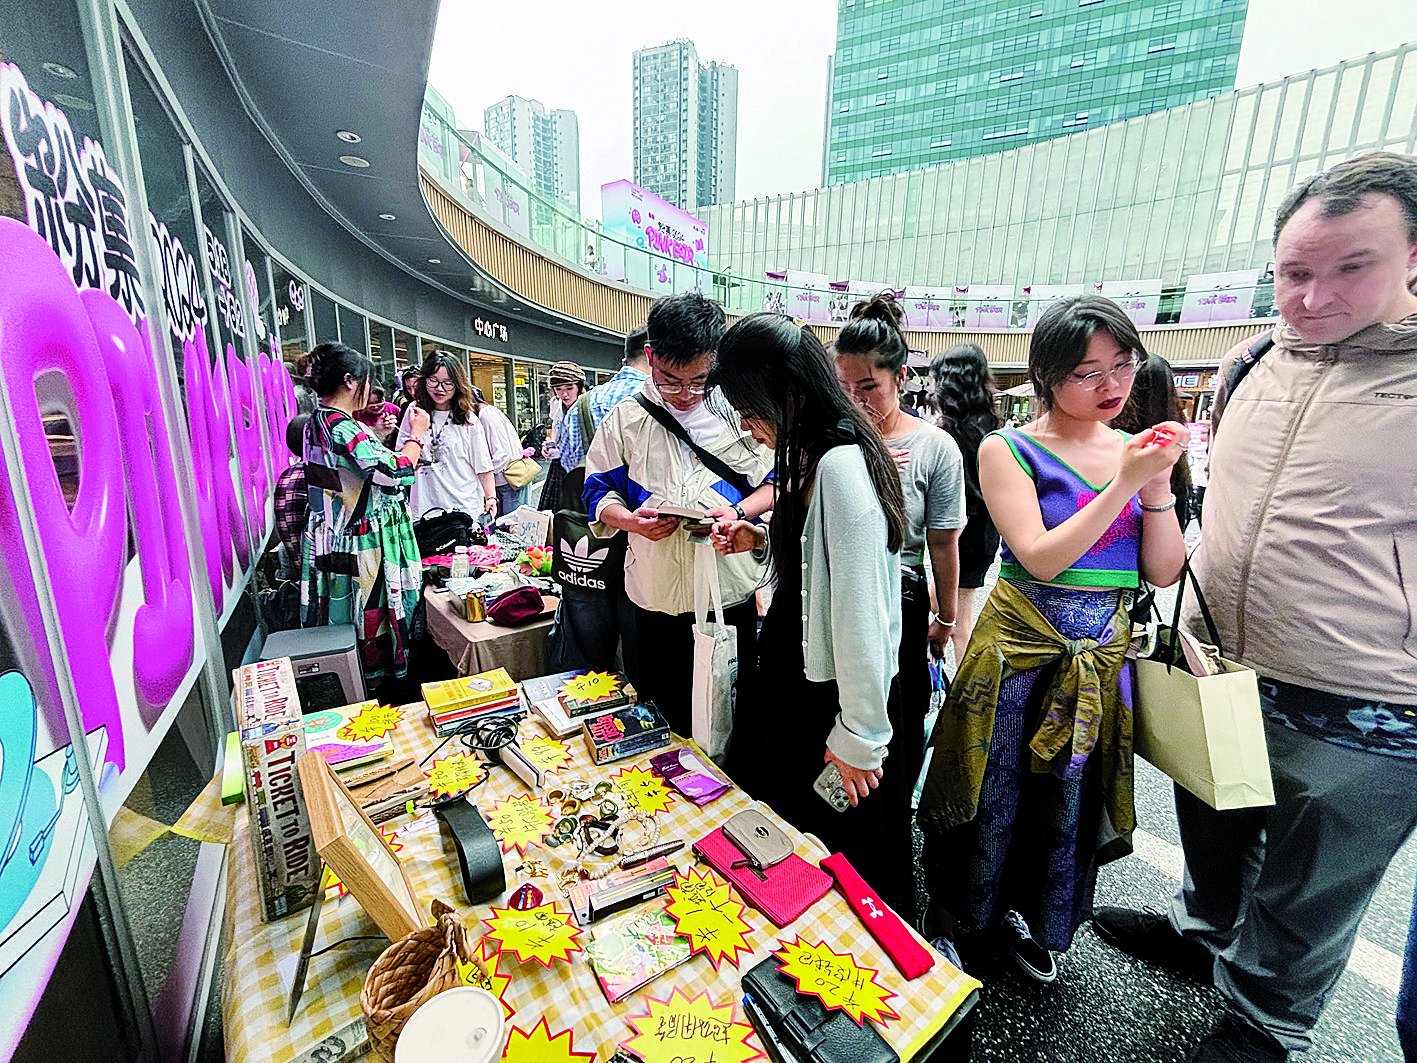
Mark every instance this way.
x=668 y=447
x=1309 y=565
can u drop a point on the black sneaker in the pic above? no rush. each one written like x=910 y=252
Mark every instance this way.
x=1233 y=1041
x=1032 y=958
x=1149 y=936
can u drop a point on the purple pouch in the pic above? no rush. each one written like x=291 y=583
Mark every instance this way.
x=687 y=772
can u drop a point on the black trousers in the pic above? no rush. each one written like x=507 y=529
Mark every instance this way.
x=664 y=648
x=588 y=628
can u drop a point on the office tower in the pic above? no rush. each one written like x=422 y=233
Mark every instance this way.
x=915 y=85
x=686 y=125
x=546 y=144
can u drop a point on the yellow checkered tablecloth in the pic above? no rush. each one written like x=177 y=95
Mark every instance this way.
x=260 y=957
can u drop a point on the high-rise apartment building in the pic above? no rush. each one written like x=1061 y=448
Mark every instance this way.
x=546 y=144
x=686 y=125
x=913 y=86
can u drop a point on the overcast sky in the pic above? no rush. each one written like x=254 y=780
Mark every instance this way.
x=569 y=53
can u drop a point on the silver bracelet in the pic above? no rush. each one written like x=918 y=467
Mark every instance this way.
x=1170 y=503
x=943 y=623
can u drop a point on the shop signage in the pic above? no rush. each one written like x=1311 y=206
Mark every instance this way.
x=492 y=330
x=114 y=552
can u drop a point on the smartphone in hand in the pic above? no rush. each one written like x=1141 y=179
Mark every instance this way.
x=830 y=788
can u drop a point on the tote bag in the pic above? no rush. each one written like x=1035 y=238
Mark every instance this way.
x=1204 y=731
x=715 y=659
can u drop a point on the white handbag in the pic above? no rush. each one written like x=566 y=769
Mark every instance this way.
x=715 y=659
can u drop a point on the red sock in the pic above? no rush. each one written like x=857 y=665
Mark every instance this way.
x=911 y=958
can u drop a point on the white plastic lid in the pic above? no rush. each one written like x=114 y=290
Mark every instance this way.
x=461 y=1025
x=460 y=549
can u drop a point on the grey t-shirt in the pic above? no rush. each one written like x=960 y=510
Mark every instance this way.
x=933 y=482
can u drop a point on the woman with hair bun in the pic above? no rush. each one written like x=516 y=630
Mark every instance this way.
x=360 y=560
x=870 y=359
x=964 y=397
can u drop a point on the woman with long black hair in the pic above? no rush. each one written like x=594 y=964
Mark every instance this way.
x=964 y=397
x=826 y=690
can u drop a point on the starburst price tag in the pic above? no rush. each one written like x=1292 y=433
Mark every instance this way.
x=539 y=1046
x=703 y=909
x=686 y=1029
x=548 y=754
x=368 y=724
x=590 y=688
x=642 y=789
x=486 y=976
x=544 y=934
x=838 y=980
x=518 y=822
x=453 y=774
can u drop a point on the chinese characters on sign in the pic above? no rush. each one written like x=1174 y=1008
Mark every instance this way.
x=493 y=330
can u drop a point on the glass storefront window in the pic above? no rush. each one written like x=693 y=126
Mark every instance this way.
x=228 y=325
x=381 y=350
x=291 y=295
x=322 y=312
x=351 y=329
x=405 y=350
x=255 y=286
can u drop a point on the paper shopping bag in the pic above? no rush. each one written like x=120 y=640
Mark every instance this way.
x=715 y=660
x=1206 y=732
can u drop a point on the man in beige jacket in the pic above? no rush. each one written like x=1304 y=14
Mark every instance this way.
x=1308 y=561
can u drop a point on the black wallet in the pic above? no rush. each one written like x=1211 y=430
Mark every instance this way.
x=795 y=1028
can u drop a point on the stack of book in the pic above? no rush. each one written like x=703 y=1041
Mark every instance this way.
x=455 y=701
x=344 y=752
x=563 y=701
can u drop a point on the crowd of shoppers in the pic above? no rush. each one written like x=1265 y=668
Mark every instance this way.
x=811 y=475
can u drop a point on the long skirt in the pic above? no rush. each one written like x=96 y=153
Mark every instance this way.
x=371 y=579
x=1032 y=845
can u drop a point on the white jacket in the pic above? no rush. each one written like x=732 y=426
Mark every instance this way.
x=635 y=461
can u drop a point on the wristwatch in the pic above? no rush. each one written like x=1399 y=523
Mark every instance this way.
x=739 y=510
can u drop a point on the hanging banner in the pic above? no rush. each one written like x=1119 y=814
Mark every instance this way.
x=1139 y=299
x=808 y=295
x=1039 y=297
x=1219 y=296
x=675 y=242
x=980 y=306
x=926 y=308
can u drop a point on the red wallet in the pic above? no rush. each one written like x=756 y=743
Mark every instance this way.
x=785 y=890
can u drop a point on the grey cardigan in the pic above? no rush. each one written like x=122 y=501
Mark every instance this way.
x=850 y=604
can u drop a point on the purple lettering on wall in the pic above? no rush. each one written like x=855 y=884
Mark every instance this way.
x=163 y=640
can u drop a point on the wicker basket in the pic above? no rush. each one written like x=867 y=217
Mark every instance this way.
x=412 y=970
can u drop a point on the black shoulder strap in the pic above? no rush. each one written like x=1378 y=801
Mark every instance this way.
x=1247 y=361
x=715 y=464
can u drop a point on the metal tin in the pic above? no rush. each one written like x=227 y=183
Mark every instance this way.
x=476 y=606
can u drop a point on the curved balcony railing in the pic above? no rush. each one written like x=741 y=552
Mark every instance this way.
x=545 y=251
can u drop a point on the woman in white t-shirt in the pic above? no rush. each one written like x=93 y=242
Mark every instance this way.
x=455 y=469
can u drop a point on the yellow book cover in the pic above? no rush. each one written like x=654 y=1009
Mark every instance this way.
x=468 y=692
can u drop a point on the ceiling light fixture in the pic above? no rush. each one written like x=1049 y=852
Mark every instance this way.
x=435 y=261
x=355 y=161
x=347 y=136
x=387 y=217
x=59 y=70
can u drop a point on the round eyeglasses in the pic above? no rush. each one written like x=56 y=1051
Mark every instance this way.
x=1093 y=381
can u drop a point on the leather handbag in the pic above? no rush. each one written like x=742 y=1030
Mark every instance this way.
x=796 y=1028
x=521 y=471
x=440 y=530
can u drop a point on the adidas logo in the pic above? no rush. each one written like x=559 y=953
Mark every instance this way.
x=580 y=558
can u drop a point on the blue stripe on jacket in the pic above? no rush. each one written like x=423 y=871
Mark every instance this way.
x=613 y=481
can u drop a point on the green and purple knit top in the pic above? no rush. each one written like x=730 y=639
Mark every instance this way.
x=1062 y=492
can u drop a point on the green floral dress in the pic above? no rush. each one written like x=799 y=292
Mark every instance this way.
x=360 y=561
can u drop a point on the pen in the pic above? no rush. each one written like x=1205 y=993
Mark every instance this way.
x=652 y=853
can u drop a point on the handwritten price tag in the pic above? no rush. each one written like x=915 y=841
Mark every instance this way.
x=373 y=722
x=642 y=789
x=548 y=754
x=687 y=1029
x=453 y=774
x=484 y=975
x=539 y=1046
x=519 y=821
x=544 y=933
x=703 y=909
x=838 y=980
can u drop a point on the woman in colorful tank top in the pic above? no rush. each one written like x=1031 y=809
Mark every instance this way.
x=1030 y=784
x=361 y=564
